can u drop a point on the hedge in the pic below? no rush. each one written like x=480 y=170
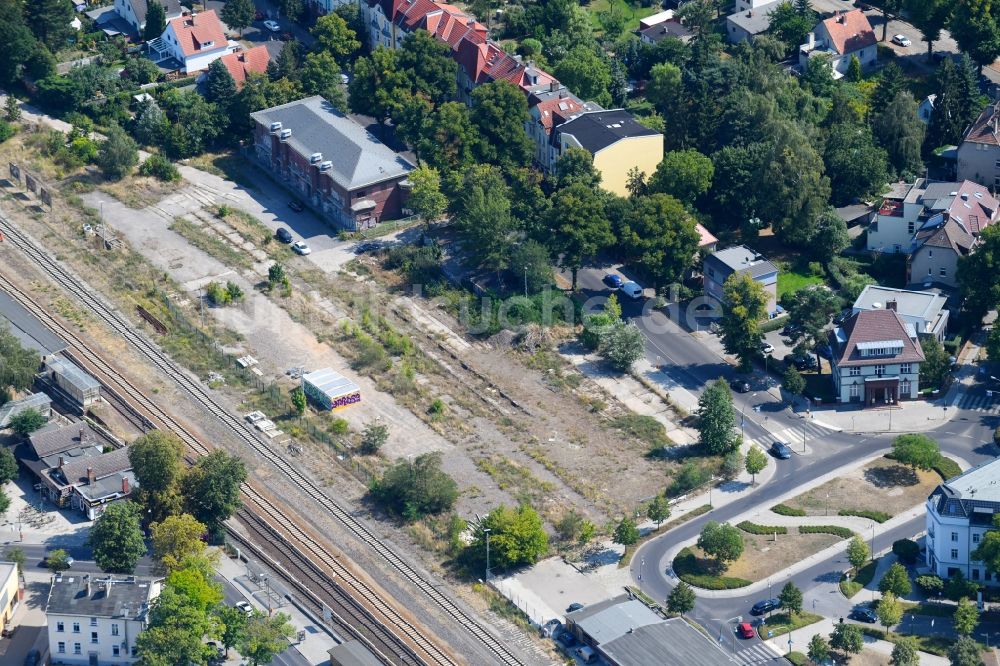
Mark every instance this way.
x=773 y=324
x=762 y=530
x=687 y=569
x=785 y=510
x=947 y=468
x=835 y=530
x=877 y=516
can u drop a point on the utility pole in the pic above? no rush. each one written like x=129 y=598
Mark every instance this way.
x=487 y=530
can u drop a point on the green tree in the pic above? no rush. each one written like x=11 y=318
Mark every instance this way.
x=334 y=36
x=929 y=17
x=447 y=138
x=966 y=617
x=156 y=20
x=57 y=560
x=499 y=111
x=320 y=75
x=717 y=419
x=974 y=26
x=904 y=653
x=415 y=489
x=937 y=364
x=791 y=26
x=50 y=21
x=19 y=43
x=276 y=275
x=116 y=538
x=793 y=189
x=220 y=87
x=857 y=552
x=756 y=461
x=889 y=610
x=292 y=9
x=684 y=174
x=238 y=14
x=570 y=525
x=988 y=550
x=265 y=638
x=809 y=311
x=721 y=541
x=530 y=261
x=26 y=422
x=896 y=580
x=484 y=219
x=580 y=227
x=118 y=154
x=11 y=109
x=658 y=510
x=233 y=623
x=791 y=598
x=299 y=401
x=793 y=381
x=847 y=638
x=195 y=581
x=681 y=599
x=622 y=345
x=576 y=165
x=212 y=488
x=854 y=74
x=626 y=533
x=819 y=649
x=176 y=631
x=374 y=82
x=965 y=652
x=374 y=437
x=586 y=73
x=176 y=539
x=976 y=276
x=916 y=450
x=732 y=465
x=517 y=537
x=744 y=305
x=856 y=164
x=16 y=555
x=428 y=67
x=157 y=462
x=426 y=198
x=19 y=364
x=664 y=89
x=898 y=129
x=659 y=236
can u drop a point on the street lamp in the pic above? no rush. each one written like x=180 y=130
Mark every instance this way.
x=487 y=530
x=642 y=563
x=525 y=281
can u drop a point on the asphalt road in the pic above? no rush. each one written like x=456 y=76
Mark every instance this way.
x=967 y=435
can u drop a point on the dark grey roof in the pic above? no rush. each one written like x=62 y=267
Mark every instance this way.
x=30 y=331
x=757 y=20
x=739 y=259
x=56 y=439
x=359 y=159
x=668 y=643
x=109 y=486
x=352 y=653
x=661 y=31
x=597 y=130
x=75 y=471
x=123 y=598
x=141 y=7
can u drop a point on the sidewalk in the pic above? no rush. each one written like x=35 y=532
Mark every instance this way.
x=318 y=639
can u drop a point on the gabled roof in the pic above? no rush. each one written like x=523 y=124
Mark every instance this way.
x=55 y=439
x=757 y=20
x=986 y=128
x=193 y=31
x=950 y=235
x=597 y=130
x=241 y=63
x=661 y=31
x=141 y=7
x=974 y=207
x=75 y=471
x=869 y=326
x=705 y=237
x=850 y=31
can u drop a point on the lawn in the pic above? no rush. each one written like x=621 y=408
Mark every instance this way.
x=791 y=281
x=632 y=13
x=782 y=623
x=850 y=587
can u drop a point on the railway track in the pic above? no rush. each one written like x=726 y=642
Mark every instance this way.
x=121 y=325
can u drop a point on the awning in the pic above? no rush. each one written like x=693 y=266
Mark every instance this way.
x=364 y=204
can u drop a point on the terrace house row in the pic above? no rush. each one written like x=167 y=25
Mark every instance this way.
x=618 y=145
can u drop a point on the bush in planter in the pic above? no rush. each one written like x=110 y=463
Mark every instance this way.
x=906 y=550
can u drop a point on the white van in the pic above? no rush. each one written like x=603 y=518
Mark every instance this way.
x=632 y=290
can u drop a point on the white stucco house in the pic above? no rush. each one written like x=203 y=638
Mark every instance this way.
x=959 y=512
x=841 y=37
x=193 y=40
x=134 y=12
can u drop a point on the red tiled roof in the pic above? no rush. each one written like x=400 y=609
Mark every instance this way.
x=242 y=63
x=876 y=326
x=195 y=30
x=974 y=207
x=705 y=236
x=558 y=109
x=984 y=130
x=850 y=31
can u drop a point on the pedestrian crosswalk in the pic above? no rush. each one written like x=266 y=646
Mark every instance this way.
x=980 y=402
x=757 y=653
x=795 y=435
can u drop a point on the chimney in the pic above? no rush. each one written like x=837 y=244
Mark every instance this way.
x=81 y=435
x=841 y=18
x=61 y=461
x=87 y=578
x=891 y=305
x=125 y=488
x=91 y=479
x=553 y=86
x=811 y=43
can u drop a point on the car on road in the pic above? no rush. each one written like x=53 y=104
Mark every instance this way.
x=296 y=205
x=766 y=348
x=272 y=25
x=299 y=247
x=744 y=630
x=284 y=235
x=613 y=281
x=765 y=606
x=573 y=607
x=632 y=290
x=901 y=40
x=781 y=451
x=864 y=614
x=245 y=607
x=740 y=385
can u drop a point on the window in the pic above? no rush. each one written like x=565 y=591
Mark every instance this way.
x=855 y=372
x=854 y=390
x=93 y=637
x=93 y=621
x=135 y=652
x=975 y=538
x=60 y=627
x=76 y=627
x=360 y=193
x=116 y=650
x=905 y=368
x=114 y=629
x=975 y=574
x=909 y=227
x=954 y=536
x=997 y=164
x=62 y=647
x=930 y=253
x=944 y=272
x=954 y=553
x=904 y=389
x=76 y=648
x=880 y=369
x=930 y=271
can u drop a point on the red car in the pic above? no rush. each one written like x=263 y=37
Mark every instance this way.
x=744 y=630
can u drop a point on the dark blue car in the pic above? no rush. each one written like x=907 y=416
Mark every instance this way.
x=613 y=280
x=781 y=451
x=765 y=606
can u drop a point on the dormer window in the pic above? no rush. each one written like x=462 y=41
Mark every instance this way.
x=206 y=45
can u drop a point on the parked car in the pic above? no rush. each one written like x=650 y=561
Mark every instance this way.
x=740 y=385
x=299 y=247
x=864 y=614
x=632 y=290
x=801 y=361
x=245 y=607
x=765 y=606
x=791 y=329
x=573 y=607
x=841 y=316
x=366 y=246
x=566 y=639
x=296 y=205
x=283 y=234
x=550 y=628
x=613 y=281
x=272 y=26
x=781 y=451
x=744 y=630
x=766 y=348
x=901 y=40
x=344 y=79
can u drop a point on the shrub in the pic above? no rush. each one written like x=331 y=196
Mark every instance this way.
x=835 y=530
x=161 y=168
x=959 y=586
x=6 y=130
x=947 y=468
x=688 y=569
x=339 y=426
x=437 y=407
x=785 y=510
x=217 y=294
x=877 y=516
x=930 y=584
x=762 y=530
x=688 y=477
x=906 y=550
